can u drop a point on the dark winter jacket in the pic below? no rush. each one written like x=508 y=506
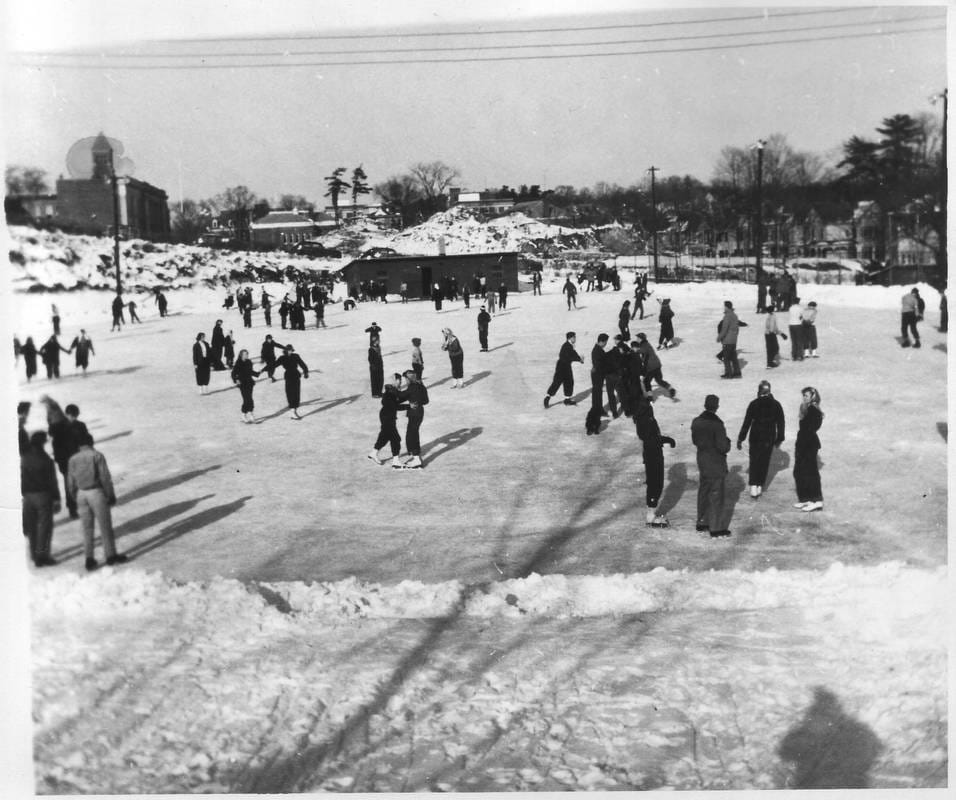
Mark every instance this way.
x=764 y=421
x=243 y=373
x=710 y=437
x=38 y=473
x=807 y=438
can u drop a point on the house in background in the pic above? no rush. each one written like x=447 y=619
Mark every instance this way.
x=488 y=203
x=282 y=229
x=85 y=205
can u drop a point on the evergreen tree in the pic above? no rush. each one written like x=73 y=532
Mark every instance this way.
x=335 y=186
x=359 y=185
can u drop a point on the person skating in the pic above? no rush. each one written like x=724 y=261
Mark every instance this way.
x=161 y=302
x=795 y=325
x=503 y=296
x=217 y=343
x=89 y=479
x=202 y=362
x=456 y=355
x=29 y=353
x=55 y=319
x=84 y=349
x=388 y=426
x=418 y=360
x=765 y=424
x=285 y=306
x=291 y=363
x=806 y=470
x=117 y=307
x=666 y=317
x=490 y=301
x=41 y=498
x=710 y=438
x=50 y=353
x=771 y=332
x=640 y=295
x=652 y=370
x=437 y=297
x=599 y=368
x=265 y=300
x=416 y=396
x=649 y=432
x=809 y=322
x=536 y=283
x=376 y=366
x=910 y=314
x=229 y=350
x=466 y=295
x=133 y=316
x=23 y=412
x=727 y=333
x=66 y=432
x=244 y=376
x=563 y=375
x=318 y=306
x=484 y=319
x=624 y=321
x=374 y=332
x=571 y=291
x=268 y=355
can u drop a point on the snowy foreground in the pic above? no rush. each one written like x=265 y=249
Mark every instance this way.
x=295 y=618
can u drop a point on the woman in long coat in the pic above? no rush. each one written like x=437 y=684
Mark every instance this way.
x=244 y=376
x=201 y=361
x=29 y=353
x=456 y=355
x=376 y=368
x=806 y=471
x=623 y=321
x=292 y=363
x=666 y=317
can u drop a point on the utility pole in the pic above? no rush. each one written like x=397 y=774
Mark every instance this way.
x=116 y=231
x=652 y=170
x=758 y=232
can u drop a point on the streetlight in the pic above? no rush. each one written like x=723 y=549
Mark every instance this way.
x=758 y=233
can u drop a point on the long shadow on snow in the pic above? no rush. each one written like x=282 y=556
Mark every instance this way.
x=138 y=524
x=302 y=769
x=195 y=522
x=448 y=442
x=163 y=483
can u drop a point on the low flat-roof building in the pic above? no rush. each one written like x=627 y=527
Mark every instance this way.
x=421 y=273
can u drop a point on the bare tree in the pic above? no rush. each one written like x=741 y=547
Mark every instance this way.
x=432 y=179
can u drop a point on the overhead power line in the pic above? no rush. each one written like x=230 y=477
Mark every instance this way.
x=474 y=48
x=493 y=31
x=204 y=64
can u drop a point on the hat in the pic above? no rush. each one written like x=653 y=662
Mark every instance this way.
x=812 y=304
x=641 y=336
x=619 y=338
x=711 y=402
x=763 y=388
x=728 y=304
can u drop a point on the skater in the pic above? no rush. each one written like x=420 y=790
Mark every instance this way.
x=403 y=292
x=29 y=353
x=795 y=324
x=268 y=355
x=563 y=375
x=457 y=357
x=571 y=291
x=247 y=313
x=666 y=316
x=418 y=360
x=41 y=498
x=244 y=376
x=710 y=437
x=266 y=302
x=624 y=320
x=319 y=308
x=133 y=316
x=50 y=353
x=374 y=332
x=89 y=479
x=640 y=295
x=218 y=344
x=490 y=302
x=17 y=350
x=765 y=423
x=806 y=470
x=437 y=296
x=23 y=411
x=771 y=332
x=466 y=295
x=809 y=322
x=783 y=292
x=649 y=432
x=55 y=318
x=503 y=296
x=376 y=367
x=84 y=349
x=161 y=302
x=284 y=308
x=727 y=335
x=536 y=283
x=599 y=369
x=911 y=312
x=229 y=349
x=652 y=369
x=388 y=426
x=484 y=318
x=202 y=362
x=416 y=396
x=118 y=319
x=292 y=363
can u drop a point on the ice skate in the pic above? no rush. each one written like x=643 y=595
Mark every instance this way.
x=802 y=505
x=755 y=492
x=415 y=462
x=815 y=505
x=659 y=522
x=373 y=456
x=547 y=400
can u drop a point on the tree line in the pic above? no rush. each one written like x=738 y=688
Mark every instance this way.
x=901 y=167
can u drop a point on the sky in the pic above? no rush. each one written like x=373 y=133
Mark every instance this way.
x=209 y=95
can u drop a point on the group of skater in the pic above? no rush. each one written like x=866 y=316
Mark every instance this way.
x=87 y=484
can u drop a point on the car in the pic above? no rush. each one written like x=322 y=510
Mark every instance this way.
x=315 y=250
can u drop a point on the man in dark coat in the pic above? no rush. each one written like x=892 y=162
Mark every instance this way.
x=50 y=353
x=710 y=437
x=67 y=435
x=218 y=344
x=376 y=367
x=599 y=369
x=416 y=395
x=41 y=499
x=268 y=355
x=766 y=425
x=563 y=376
x=118 y=306
x=484 y=319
